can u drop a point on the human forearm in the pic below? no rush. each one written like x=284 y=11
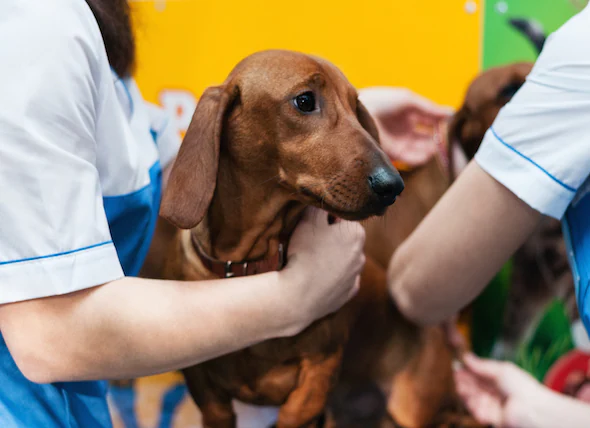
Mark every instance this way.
x=101 y=332
x=460 y=245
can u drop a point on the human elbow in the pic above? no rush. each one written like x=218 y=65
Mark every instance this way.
x=407 y=301
x=407 y=290
x=39 y=360
x=34 y=363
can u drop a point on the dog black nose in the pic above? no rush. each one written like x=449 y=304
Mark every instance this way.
x=386 y=184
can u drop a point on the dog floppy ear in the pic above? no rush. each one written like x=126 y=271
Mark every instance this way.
x=515 y=77
x=194 y=174
x=455 y=128
x=366 y=120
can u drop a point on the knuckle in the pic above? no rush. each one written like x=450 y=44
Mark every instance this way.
x=362 y=235
x=362 y=259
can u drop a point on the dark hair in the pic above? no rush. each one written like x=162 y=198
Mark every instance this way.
x=114 y=21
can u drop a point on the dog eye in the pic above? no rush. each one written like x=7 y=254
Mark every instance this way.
x=305 y=102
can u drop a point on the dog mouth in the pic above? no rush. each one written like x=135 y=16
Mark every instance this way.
x=371 y=209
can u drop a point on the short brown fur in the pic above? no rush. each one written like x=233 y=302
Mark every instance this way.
x=248 y=166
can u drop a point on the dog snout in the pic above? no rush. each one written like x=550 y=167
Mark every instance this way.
x=386 y=184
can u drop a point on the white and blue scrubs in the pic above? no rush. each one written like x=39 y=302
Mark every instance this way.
x=539 y=145
x=81 y=156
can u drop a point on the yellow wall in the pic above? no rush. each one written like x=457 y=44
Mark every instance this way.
x=430 y=46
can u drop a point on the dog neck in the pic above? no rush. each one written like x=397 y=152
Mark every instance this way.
x=249 y=217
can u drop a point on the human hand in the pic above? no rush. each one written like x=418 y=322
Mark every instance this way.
x=499 y=393
x=407 y=122
x=324 y=266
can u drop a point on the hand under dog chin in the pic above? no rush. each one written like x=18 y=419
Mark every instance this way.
x=359 y=215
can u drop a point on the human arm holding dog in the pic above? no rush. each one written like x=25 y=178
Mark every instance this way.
x=134 y=327
x=76 y=179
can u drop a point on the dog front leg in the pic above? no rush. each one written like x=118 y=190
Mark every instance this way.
x=421 y=389
x=215 y=405
x=308 y=400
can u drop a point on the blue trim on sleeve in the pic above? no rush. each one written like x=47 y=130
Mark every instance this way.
x=157 y=132
x=558 y=181
x=56 y=254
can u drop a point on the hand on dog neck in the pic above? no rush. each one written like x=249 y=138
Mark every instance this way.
x=248 y=216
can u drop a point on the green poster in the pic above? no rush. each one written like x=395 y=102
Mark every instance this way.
x=503 y=43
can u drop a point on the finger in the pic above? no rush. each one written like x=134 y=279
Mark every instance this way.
x=485 y=407
x=488 y=369
x=486 y=410
x=421 y=131
x=315 y=215
x=466 y=383
x=355 y=289
x=412 y=157
x=429 y=107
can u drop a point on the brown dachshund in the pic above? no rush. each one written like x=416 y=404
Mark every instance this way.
x=540 y=270
x=284 y=131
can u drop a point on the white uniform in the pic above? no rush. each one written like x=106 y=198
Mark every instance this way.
x=72 y=134
x=80 y=178
x=539 y=145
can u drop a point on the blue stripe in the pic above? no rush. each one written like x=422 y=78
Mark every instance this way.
x=558 y=181
x=57 y=254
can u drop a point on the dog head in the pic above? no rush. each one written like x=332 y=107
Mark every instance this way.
x=486 y=95
x=290 y=119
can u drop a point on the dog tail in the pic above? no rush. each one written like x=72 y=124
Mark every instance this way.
x=532 y=30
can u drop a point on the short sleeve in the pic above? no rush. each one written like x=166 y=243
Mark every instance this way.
x=539 y=144
x=54 y=236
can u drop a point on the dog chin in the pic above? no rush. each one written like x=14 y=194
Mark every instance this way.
x=363 y=214
x=370 y=209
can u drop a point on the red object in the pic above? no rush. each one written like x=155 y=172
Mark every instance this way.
x=573 y=363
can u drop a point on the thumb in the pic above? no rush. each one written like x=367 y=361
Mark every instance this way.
x=315 y=216
x=489 y=370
